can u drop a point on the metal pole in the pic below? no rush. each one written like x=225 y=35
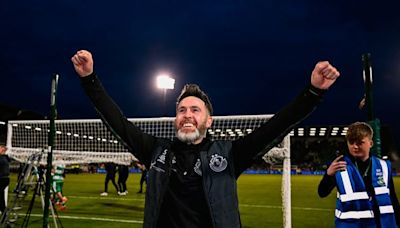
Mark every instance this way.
x=51 y=136
x=374 y=122
x=165 y=102
x=367 y=74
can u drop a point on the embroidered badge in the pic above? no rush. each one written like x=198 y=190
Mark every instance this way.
x=218 y=163
x=381 y=182
x=379 y=172
x=161 y=158
x=197 y=167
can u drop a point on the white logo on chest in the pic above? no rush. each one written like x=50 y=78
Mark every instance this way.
x=218 y=163
x=197 y=168
x=161 y=158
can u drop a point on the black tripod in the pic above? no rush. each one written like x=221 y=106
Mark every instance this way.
x=31 y=175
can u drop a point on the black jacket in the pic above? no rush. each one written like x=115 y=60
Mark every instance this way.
x=4 y=166
x=241 y=153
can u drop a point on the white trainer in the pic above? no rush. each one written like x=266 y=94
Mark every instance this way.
x=104 y=194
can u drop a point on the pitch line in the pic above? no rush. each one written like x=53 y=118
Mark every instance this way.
x=280 y=207
x=91 y=218
x=141 y=222
x=106 y=198
x=241 y=205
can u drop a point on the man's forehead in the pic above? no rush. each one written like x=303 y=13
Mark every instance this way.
x=361 y=139
x=191 y=101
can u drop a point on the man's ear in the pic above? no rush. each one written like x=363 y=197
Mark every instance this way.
x=371 y=143
x=209 y=121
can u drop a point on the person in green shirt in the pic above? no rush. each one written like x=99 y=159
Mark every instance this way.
x=58 y=182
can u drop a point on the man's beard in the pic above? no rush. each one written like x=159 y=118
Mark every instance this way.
x=191 y=137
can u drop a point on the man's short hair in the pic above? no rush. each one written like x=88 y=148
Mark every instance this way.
x=195 y=91
x=357 y=131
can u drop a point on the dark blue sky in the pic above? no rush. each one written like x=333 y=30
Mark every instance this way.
x=252 y=57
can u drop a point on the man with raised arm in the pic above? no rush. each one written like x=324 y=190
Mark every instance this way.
x=191 y=179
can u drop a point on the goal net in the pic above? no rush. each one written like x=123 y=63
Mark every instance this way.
x=89 y=141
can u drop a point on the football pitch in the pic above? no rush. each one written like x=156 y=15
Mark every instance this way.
x=259 y=199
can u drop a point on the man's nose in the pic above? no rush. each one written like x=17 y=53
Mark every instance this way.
x=188 y=114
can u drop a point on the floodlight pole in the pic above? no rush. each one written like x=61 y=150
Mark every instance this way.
x=165 y=101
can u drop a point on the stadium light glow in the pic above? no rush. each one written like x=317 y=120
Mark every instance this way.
x=164 y=81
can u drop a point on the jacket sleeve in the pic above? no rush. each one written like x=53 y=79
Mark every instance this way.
x=246 y=150
x=327 y=184
x=395 y=201
x=133 y=138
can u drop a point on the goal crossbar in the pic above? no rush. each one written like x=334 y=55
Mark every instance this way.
x=89 y=140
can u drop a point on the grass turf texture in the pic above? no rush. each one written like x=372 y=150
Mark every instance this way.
x=259 y=198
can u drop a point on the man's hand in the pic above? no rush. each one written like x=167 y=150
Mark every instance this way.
x=324 y=75
x=3 y=150
x=83 y=63
x=336 y=165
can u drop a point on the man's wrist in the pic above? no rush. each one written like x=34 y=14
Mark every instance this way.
x=316 y=91
x=89 y=79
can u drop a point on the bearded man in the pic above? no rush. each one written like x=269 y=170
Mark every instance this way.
x=191 y=179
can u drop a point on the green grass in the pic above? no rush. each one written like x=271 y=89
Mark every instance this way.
x=259 y=197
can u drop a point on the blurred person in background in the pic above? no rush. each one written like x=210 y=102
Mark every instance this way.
x=123 y=174
x=4 y=176
x=143 y=177
x=58 y=184
x=111 y=170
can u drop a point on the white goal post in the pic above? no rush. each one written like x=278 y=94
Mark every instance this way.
x=89 y=141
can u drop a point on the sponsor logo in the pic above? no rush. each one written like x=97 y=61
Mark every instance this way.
x=218 y=163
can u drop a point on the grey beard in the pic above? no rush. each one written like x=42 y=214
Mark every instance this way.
x=188 y=138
